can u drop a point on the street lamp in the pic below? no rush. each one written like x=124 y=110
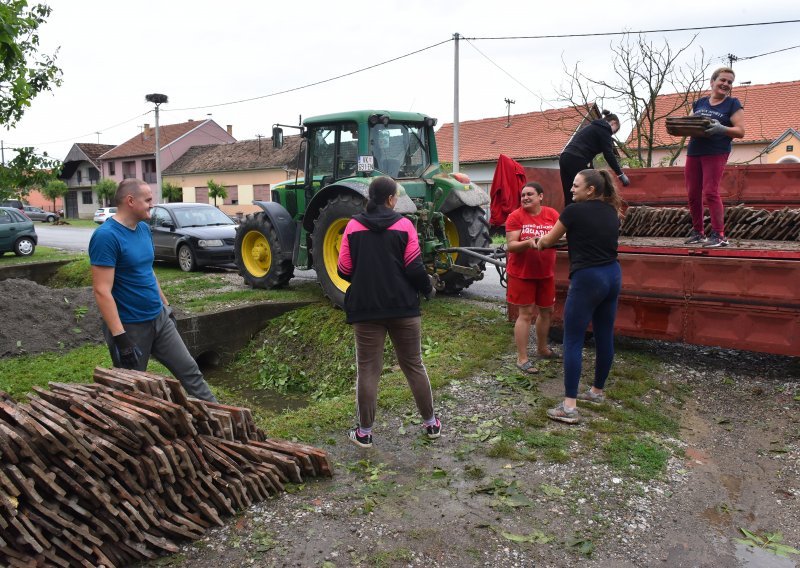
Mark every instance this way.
x=158 y=100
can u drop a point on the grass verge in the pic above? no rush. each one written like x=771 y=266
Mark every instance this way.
x=42 y=254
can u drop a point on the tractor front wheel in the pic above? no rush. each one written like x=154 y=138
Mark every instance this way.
x=327 y=240
x=259 y=256
x=465 y=227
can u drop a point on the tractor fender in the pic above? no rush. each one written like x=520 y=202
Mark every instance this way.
x=282 y=221
x=461 y=194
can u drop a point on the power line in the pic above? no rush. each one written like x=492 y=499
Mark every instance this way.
x=72 y=138
x=315 y=83
x=664 y=30
x=762 y=54
x=504 y=71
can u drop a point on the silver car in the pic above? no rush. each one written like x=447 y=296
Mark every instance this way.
x=39 y=214
x=104 y=213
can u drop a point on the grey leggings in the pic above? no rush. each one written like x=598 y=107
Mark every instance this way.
x=160 y=338
x=406 y=334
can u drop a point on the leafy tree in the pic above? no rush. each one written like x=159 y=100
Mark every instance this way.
x=54 y=189
x=643 y=71
x=172 y=192
x=25 y=172
x=25 y=72
x=105 y=190
x=216 y=190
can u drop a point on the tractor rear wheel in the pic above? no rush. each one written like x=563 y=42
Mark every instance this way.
x=259 y=256
x=465 y=227
x=327 y=240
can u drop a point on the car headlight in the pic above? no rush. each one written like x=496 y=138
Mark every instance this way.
x=206 y=243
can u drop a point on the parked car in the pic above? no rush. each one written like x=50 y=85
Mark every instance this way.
x=192 y=234
x=13 y=203
x=104 y=213
x=17 y=233
x=39 y=214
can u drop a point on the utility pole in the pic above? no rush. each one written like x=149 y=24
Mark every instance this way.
x=157 y=99
x=731 y=59
x=509 y=102
x=98 y=137
x=3 y=152
x=456 y=36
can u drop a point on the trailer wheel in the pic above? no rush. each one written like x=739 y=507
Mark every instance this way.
x=327 y=240
x=465 y=227
x=259 y=256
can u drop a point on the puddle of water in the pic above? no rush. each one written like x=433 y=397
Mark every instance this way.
x=757 y=558
x=264 y=399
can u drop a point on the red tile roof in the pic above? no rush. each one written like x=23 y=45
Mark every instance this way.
x=145 y=142
x=532 y=135
x=768 y=111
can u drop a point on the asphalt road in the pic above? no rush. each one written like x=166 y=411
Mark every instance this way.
x=77 y=238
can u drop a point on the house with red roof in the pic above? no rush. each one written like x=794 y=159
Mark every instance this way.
x=771 y=112
x=136 y=158
x=534 y=139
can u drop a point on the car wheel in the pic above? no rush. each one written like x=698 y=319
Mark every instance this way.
x=24 y=246
x=50 y=219
x=186 y=259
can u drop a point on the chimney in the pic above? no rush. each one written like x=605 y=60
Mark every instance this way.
x=229 y=128
x=146 y=131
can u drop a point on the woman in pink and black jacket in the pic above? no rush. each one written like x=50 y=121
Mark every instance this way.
x=381 y=258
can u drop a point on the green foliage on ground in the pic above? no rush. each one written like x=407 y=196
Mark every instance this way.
x=76 y=274
x=641 y=458
x=19 y=374
x=42 y=254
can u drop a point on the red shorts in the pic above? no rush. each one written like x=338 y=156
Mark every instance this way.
x=531 y=291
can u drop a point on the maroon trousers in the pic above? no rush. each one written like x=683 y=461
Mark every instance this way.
x=406 y=334
x=703 y=175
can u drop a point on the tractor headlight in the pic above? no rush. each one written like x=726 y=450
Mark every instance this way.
x=207 y=243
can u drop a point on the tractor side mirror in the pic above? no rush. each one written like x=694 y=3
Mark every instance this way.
x=277 y=137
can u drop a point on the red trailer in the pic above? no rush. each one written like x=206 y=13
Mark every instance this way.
x=746 y=296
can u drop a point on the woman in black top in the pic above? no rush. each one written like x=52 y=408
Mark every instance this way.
x=591 y=224
x=584 y=146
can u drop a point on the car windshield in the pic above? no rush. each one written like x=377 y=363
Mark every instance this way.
x=201 y=217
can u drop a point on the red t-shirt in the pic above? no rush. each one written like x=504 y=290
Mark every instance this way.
x=531 y=263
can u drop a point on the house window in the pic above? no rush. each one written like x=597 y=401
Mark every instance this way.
x=112 y=170
x=87 y=198
x=790 y=148
x=261 y=192
x=128 y=170
x=78 y=176
x=233 y=195
x=149 y=171
x=94 y=175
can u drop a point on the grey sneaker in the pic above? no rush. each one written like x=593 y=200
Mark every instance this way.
x=594 y=398
x=561 y=414
x=696 y=238
x=715 y=240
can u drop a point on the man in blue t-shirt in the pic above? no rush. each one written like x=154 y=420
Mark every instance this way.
x=137 y=319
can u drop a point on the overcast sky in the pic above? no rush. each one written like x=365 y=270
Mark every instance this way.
x=203 y=53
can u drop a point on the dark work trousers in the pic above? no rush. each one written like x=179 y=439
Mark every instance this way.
x=406 y=334
x=160 y=338
x=592 y=297
x=569 y=166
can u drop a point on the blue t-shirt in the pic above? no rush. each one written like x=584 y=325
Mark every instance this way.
x=130 y=252
x=719 y=143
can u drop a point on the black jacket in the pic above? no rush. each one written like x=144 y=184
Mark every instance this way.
x=381 y=258
x=593 y=140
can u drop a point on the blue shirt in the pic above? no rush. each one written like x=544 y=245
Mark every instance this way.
x=719 y=143
x=130 y=253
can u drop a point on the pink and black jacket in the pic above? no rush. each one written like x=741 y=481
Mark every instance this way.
x=381 y=258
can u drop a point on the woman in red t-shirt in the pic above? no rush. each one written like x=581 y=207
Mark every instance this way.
x=531 y=279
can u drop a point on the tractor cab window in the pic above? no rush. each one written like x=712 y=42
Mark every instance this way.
x=334 y=152
x=400 y=150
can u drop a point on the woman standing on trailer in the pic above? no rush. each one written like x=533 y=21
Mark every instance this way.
x=591 y=224
x=707 y=155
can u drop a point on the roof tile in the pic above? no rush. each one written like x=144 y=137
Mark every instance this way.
x=238 y=156
x=145 y=142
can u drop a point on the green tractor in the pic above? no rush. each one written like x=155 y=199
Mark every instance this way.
x=303 y=223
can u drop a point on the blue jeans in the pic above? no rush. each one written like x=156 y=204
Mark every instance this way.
x=592 y=297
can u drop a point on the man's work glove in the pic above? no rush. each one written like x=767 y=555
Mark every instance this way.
x=624 y=179
x=128 y=353
x=716 y=128
x=171 y=315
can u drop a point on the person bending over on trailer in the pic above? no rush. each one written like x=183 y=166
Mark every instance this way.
x=531 y=274
x=584 y=146
x=591 y=224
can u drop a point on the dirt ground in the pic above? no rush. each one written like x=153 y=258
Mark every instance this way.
x=448 y=504
x=409 y=503
x=36 y=318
